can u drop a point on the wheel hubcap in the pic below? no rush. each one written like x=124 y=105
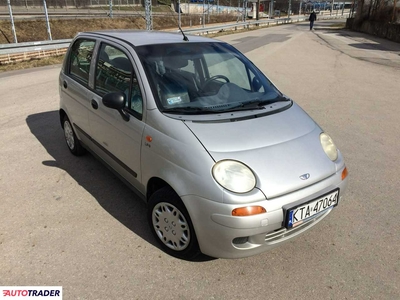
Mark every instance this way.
x=69 y=135
x=171 y=226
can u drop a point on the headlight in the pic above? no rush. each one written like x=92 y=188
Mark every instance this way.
x=234 y=176
x=328 y=146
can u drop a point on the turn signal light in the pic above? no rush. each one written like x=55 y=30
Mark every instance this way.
x=248 y=211
x=344 y=173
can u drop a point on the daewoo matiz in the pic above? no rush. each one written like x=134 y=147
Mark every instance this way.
x=227 y=164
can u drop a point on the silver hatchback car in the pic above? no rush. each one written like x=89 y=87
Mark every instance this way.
x=227 y=164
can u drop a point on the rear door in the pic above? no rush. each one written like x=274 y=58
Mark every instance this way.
x=118 y=142
x=74 y=85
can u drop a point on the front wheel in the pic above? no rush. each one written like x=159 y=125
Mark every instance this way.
x=171 y=225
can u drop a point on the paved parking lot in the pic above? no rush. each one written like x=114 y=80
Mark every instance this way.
x=67 y=221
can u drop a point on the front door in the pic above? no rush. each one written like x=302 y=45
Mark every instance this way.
x=117 y=141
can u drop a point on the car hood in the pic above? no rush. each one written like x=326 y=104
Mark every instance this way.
x=279 y=148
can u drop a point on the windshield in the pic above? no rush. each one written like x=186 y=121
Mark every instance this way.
x=197 y=78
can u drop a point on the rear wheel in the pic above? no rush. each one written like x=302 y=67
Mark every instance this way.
x=171 y=225
x=72 y=141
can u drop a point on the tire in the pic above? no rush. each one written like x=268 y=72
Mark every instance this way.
x=171 y=225
x=73 y=144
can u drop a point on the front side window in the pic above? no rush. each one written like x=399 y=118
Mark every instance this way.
x=114 y=72
x=80 y=58
x=198 y=78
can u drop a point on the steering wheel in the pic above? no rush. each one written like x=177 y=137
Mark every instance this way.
x=213 y=78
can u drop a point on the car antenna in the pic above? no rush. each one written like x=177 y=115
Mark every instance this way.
x=184 y=36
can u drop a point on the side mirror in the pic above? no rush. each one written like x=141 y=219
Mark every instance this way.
x=116 y=100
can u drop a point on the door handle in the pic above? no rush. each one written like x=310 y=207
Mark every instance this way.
x=65 y=84
x=94 y=103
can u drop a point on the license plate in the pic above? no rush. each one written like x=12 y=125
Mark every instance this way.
x=306 y=211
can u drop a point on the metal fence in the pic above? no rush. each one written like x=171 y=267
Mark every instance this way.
x=87 y=5
x=238 y=10
x=62 y=9
x=66 y=4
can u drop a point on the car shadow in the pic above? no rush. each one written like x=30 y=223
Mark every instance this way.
x=113 y=195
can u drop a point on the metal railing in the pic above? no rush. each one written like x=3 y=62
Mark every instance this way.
x=33 y=46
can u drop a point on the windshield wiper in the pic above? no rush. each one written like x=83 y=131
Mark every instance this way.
x=260 y=103
x=255 y=104
x=188 y=110
x=238 y=107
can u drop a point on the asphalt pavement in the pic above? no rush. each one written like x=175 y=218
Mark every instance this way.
x=67 y=221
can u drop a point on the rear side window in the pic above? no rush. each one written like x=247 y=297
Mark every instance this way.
x=79 y=60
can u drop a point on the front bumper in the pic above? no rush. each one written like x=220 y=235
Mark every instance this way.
x=221 y=235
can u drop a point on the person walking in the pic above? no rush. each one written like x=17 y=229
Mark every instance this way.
x=312 y=18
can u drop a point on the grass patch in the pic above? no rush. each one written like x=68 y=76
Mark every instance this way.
x=35 y=30
x=33 y=63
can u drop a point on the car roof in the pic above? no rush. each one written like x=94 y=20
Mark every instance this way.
x=145 y=37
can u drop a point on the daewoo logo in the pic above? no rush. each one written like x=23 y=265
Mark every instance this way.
x=305 y=176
